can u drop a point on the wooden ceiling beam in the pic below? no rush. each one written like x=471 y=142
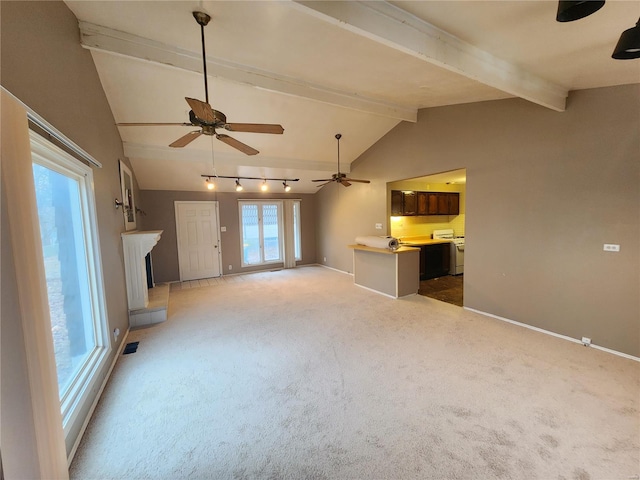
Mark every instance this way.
x=96 y=37
x=395 y=28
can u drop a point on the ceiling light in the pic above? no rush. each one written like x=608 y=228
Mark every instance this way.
x=287 y=188
x=628 y=46
x=264 y=187
x=568 y=11
x=210 y=184
x=238 y=186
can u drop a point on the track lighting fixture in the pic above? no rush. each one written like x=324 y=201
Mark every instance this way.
x=568 y=11
x=210 y=179
x=628 y=46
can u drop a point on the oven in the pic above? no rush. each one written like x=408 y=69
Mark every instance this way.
x=456 y=257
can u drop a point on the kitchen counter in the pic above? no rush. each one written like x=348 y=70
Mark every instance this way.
x=394 y=273
x=420 y=241
x=387 y=251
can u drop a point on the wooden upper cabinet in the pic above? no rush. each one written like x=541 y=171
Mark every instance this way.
x=454 y=204
x=410 y=203
x=424 y=203
x=432 y=203
x=396 y=203
x=448 y=203
x=443 y=204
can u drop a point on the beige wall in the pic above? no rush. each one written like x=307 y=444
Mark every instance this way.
x=545 y=190
x=160 y=210
x=43 y=65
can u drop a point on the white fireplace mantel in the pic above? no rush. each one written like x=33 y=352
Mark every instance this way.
x=136 y=245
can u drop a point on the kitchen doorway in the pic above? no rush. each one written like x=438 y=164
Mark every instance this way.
x=416 y=219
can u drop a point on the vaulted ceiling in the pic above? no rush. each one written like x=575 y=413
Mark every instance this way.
x=321 y=68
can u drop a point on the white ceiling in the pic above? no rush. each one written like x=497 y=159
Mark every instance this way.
x=321 y=68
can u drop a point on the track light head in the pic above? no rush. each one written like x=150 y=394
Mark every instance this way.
x=628 y=46
x=238 y=186
x=568 y=11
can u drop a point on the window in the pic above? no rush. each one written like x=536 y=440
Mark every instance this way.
x=66 y=214
x=296 y=230
x=262 y=224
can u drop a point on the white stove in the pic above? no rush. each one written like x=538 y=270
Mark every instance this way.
x=456 y=261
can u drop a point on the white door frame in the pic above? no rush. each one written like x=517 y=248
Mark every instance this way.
x=217 y=214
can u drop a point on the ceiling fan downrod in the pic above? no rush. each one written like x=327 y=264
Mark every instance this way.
x=203 y=19
x=338 y=137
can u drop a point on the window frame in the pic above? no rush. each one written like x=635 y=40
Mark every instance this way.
x=50 y=156
x=260 y=204
x=297 y=228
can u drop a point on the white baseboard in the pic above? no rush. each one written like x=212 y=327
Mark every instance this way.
x=334 y=269
x=95 y=401
x=548 y=332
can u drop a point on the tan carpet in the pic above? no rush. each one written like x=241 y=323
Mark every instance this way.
x=299 y=374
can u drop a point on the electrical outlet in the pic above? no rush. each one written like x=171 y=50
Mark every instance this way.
x=223 y=229
x=586 y=341
x=324 y=259
x=116 y=333
x=378 y=226
x=230 y=267
x=611 y=247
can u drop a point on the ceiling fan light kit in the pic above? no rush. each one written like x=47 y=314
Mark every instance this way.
x=628 y=46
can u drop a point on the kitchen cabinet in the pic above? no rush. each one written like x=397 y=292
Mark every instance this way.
x=434 y=260
x=454 y=203
x=396 y=203
x=424 y=203
x=448 y=203
x=410 y=203
x=403 y=203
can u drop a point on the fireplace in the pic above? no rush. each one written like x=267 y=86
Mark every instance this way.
x=136 y=245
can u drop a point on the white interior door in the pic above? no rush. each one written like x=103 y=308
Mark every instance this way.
x=198 y=240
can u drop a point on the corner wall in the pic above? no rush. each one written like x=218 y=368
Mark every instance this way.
x=44 y=66
x=545 y=191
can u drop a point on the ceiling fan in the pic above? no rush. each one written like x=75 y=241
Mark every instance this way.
x=340 y=177
x=207 y=119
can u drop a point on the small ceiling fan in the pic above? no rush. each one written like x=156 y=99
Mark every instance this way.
x=340 y=177
x=207 y=119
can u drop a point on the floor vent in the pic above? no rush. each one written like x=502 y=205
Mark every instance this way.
x=130 y=348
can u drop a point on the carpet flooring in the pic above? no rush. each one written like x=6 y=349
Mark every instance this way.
x=299 y=374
